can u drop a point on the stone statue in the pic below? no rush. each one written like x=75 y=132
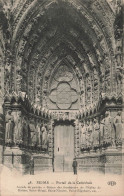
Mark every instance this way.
x=9 y=127
x=25 y=131
x=37 y=99
x=96 y=133
x=81 y=85
x=107 y=84
x=33 y=139
x=78 y=72
x=107 y=128
x=49 y=135
x=95 y=75
x=88 y=81
x=18 y=129
x=86 y=133
x=118 y=127
x=64 y=116
x=44 y=136
x=89 y=134
x=119 y=78
x=38 y=130
x=118 y=52
x=88 y=95
x=7 y=80
x=82 y=100
x=18 y=80
x=102 y=124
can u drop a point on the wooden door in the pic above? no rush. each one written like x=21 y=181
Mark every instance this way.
x=63 y=148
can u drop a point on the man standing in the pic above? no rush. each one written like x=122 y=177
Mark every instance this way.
x=32 y=166
x=74 y=165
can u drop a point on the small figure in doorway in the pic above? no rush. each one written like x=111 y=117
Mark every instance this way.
x=74 y=165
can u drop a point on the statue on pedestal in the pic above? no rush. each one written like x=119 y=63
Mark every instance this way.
x=96 y=133
x=25 y=131
x=9 y=127
x=18 y=79
x=18 y=129
x=38 y=130
x=33 y=136
x=102 y=124
x=89 y=134
x=44 y=137
x=107 y=128
x=118 y=127
x=119 y=78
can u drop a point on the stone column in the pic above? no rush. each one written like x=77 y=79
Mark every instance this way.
x=50 y=139
x=2 y=124
x=2 y=135
x=76 y=139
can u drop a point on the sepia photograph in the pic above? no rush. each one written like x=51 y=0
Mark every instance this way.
x=61 y=98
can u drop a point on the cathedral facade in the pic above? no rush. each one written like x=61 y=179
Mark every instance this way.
x=61 y=85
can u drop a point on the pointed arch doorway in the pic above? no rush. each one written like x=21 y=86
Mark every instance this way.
x=63 y=147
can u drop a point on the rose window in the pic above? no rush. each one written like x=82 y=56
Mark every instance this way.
x=64 y=96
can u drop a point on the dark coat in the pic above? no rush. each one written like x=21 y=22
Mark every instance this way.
x=74 y=163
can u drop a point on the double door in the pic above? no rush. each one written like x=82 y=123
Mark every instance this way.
x=63 y=148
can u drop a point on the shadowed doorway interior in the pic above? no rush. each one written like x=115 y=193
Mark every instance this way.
x=63 y=148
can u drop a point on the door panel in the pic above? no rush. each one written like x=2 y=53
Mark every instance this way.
x=63 y=147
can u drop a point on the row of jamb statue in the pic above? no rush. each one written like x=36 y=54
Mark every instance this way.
x=24 y=132
x=102 y=132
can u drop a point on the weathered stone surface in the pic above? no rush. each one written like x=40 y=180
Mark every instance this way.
x=57 y=64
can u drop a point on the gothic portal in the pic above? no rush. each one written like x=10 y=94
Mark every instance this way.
x=61 y=85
